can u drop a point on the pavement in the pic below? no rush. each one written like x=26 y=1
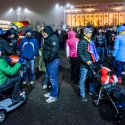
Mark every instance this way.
x=67 y=110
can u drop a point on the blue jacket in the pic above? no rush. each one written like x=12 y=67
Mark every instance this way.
x=119 y=48
x=29 y=47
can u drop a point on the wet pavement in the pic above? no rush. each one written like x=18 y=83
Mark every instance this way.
x=68 y=110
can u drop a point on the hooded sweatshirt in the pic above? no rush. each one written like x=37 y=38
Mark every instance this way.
x=71 y=44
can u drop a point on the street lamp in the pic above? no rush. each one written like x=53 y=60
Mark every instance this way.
x=19 y=13
x=67 y=6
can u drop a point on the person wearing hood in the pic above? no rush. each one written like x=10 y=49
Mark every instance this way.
x=29 y=49
x=71 y=52
x=119 y=51
x=4 y=44
x=51 y=59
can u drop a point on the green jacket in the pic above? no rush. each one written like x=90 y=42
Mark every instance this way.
x=6 y=70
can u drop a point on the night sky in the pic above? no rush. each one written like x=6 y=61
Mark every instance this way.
x=43 y=9
x=41 y=6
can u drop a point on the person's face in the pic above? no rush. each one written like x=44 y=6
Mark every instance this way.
x=28 y=34
x=114 y=29
x=12 y=36
x=100 y=30
x=45 y=35
x=89 y=34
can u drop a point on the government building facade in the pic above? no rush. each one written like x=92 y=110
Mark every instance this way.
x=105 y=14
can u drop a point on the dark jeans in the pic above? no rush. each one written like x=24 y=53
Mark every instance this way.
x=101 y=53
x=74 y=69
x=119 y=67
x=15 y=82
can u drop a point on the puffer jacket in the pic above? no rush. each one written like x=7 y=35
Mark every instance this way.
x=6 y=70
x=71 y=44
x=83 y=54
x=51 y=48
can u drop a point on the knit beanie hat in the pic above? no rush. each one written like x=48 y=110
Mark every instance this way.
x=87 y=30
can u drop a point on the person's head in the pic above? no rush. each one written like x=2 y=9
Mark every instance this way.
x=29 y=32
x=100 y=30
x=114 y=28
x=121 y=29
x=88 y=32
x=12 y=32
x=47 y=31
x=71 y=34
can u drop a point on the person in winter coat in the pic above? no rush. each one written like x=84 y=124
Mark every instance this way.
x=51 y=59
x=4 y=45
x=101 y=44
x=87 y=55
x=71 y=52
x=9 y=78
x=29 y=49
x=119 y=51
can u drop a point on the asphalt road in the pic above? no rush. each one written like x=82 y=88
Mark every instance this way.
x=67 y=110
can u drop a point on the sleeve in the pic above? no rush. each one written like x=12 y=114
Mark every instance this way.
x=21 y=45
x=67 y=50
x=36 y=48
x=7 y=69
x=54 y=49
x=7 y=47
x=116 y=46
x=80 y=49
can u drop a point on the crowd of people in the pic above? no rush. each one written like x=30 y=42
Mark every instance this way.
x=84 y=48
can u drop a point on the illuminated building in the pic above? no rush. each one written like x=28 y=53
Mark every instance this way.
x=96 y=14
x=5 y=25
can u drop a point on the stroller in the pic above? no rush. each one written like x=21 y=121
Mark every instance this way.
x=109 y=89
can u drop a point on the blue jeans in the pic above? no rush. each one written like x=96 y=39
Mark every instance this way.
x=101 y=53
x=83 y=76
x=52 y=71
x=15 y=82
x=31 y=62
x=109 y=51
x=119 y=67
x=46 y=80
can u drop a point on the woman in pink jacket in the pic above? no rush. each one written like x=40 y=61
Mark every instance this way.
x=71 y=52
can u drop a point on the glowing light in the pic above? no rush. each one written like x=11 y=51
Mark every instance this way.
x=57 y=6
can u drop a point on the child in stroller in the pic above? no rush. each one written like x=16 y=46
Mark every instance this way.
x=109 y=88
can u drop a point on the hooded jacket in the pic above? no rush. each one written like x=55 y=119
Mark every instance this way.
x=29 y=47
x=119 y=46
x=71 y=44
x=50 y=46
x=6 y=70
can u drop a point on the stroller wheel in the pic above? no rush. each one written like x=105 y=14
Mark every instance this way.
x=96 y=102
x=2 y=116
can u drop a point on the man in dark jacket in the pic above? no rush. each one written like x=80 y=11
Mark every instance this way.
x=101 y=44
x=85 y=60
x=4 y=45
x=51 y=59
x=29 y=49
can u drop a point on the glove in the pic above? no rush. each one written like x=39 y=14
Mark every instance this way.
x=22 y=61
x=8 y=60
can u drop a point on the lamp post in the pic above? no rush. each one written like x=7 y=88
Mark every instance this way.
x=19 y=13
x=67 y=6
